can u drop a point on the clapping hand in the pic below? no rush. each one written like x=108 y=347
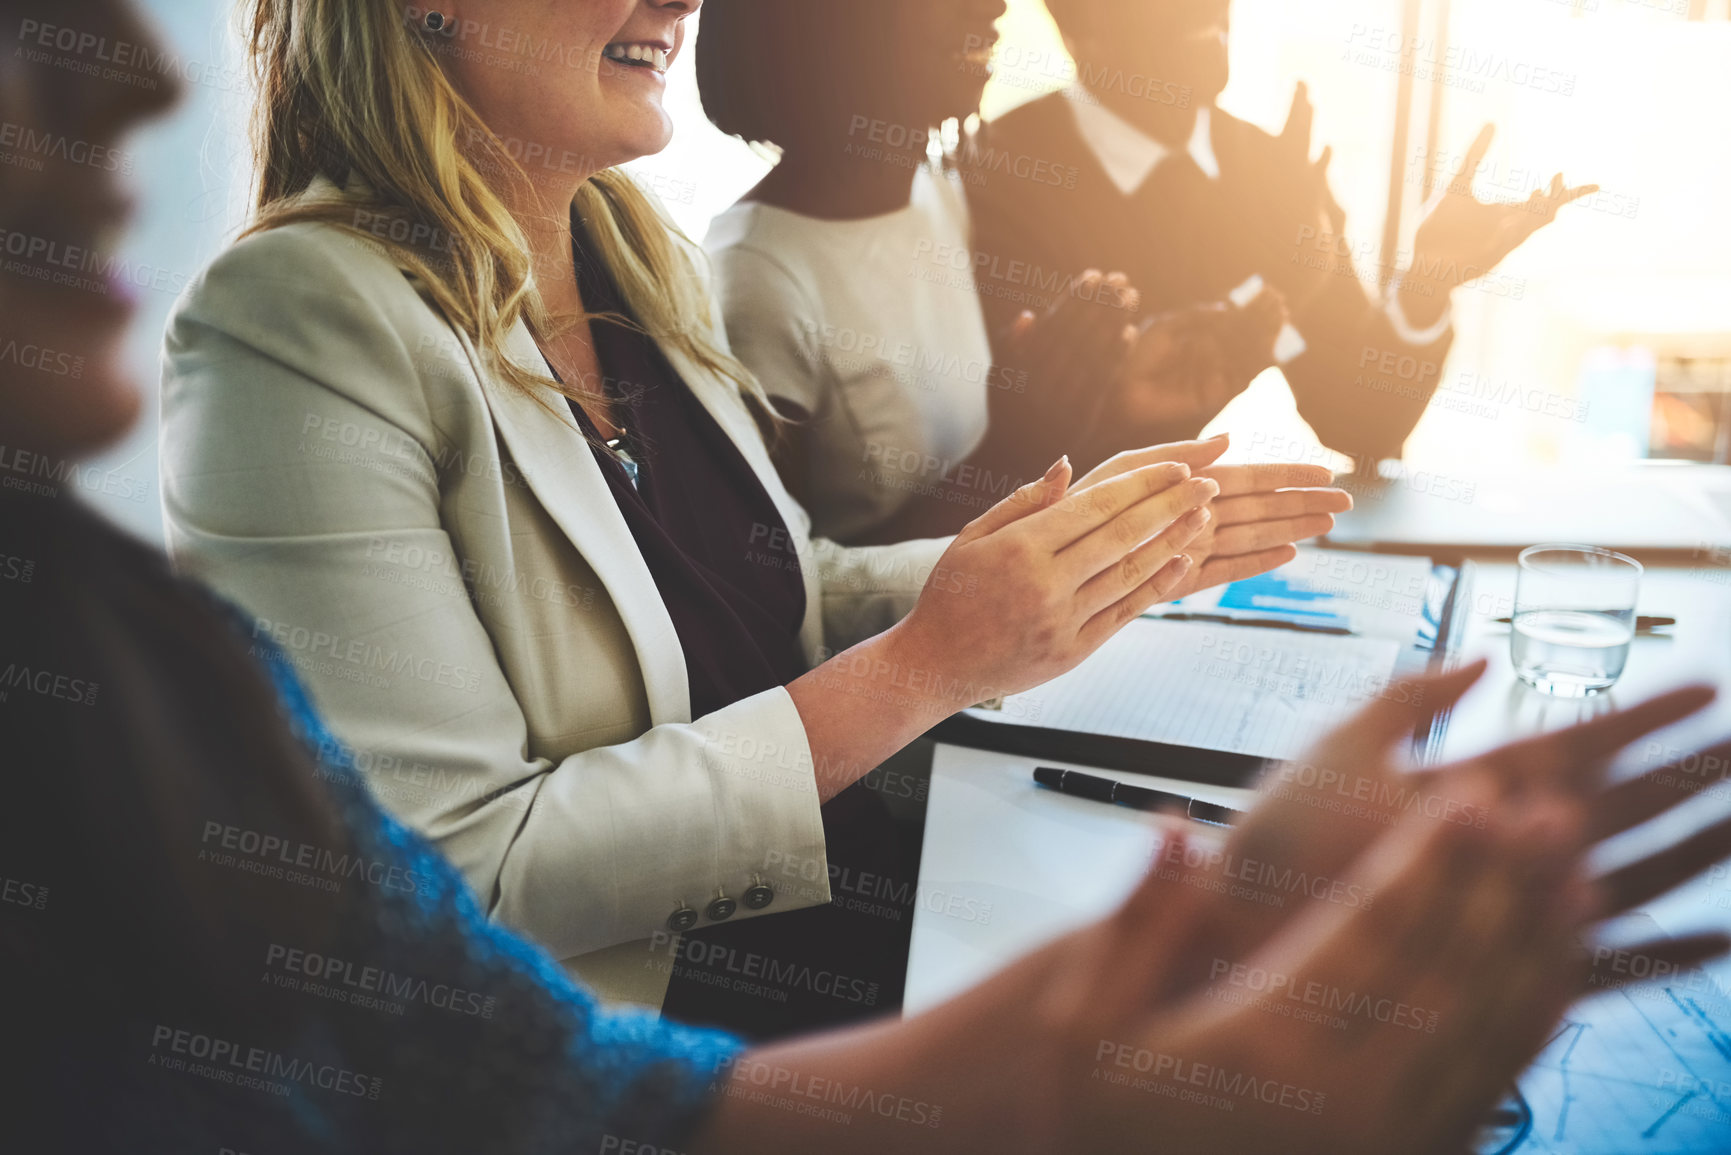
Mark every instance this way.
x=1326 y=982
x=1257 y=515
x=1466 y=934
x=1459 y=894
x=1057 y=371
x=1298 y=204
x=1312 y=178
x=1318 y=813
x=1071 y=564
x=1187 y=365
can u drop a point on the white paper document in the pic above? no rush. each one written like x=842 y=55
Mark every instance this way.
x=1265 y=692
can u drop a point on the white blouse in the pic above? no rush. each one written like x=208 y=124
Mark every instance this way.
x=872 y=327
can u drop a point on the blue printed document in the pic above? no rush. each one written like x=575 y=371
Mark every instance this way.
x=1341 y=591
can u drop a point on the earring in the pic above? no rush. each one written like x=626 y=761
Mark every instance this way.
x=435 y=21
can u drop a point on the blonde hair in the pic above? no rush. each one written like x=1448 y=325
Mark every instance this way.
x=348 y=89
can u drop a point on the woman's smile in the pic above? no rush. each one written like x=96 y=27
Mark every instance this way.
x=640 y=56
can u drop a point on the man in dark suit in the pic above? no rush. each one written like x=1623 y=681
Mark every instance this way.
x=1193 y=204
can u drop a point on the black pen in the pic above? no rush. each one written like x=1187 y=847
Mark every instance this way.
x=1642 y=625
x=1260 y=623
x=1135 y=797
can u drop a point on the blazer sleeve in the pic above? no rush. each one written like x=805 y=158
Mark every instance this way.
x=301 y=439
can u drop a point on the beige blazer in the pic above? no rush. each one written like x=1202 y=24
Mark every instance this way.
x=441 y=558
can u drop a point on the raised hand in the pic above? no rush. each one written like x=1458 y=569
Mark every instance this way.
x=1462 y=238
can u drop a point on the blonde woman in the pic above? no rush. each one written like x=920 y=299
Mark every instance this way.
x=454 y=421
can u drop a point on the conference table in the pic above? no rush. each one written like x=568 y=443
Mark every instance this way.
x=1008 y=865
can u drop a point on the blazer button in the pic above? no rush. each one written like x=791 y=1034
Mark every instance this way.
x=682 y=919
x=759 y=895
x=721 y=908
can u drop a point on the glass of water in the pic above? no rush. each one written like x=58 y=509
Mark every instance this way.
x=1574 y=618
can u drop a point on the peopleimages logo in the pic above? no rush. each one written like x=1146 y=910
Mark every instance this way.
x=782 y=976
x=1297 y=998
x=366 y=986
x=1382 y=799
x=225 y=1061
x=364 y=660
x=44 y=475
x=1171 y=1069
x=272 y=855
x=47 y=684
x=26 y=894
x=76 y=266
x=42 y=359
x=140 y=65
x=774 y=1085
x=55 y=146
x=1267 y=883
